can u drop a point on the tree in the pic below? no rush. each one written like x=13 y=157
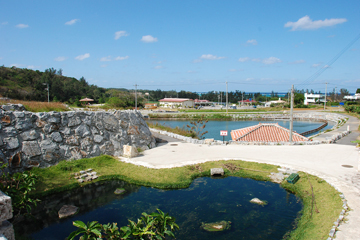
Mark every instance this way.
x=198 y=127
x=358 y=90
x=299 y=98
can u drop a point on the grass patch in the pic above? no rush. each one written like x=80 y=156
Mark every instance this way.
x=176 y=130
x=315 y=221
x=34 y=106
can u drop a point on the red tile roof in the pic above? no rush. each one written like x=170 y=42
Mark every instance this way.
x=265 y=132
x=248 y=101
x=175 y=100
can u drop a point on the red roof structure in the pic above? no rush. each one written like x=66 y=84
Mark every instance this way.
x=266 y=132
x=174 y=100
x=201 y=101
x=247 y=101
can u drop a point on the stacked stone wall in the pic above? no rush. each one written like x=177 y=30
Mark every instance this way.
x=43 y=139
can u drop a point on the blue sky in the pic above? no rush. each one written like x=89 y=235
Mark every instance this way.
x=187 y=45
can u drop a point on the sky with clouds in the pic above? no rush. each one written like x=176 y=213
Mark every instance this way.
x=255 y=46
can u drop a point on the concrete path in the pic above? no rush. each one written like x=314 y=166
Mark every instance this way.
x=324 y=160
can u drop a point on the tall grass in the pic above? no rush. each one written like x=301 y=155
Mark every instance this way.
x=34 y=106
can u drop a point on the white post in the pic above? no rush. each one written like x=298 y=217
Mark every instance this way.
x=325 y=95
x=291 y=113
x=227 y=98
x=135 y=97
x=358 y=162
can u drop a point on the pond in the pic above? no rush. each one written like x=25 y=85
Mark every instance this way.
x=213 y=127
x=206 y=200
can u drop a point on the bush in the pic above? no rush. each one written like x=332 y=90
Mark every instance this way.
x=301 y=106
x=18 y=186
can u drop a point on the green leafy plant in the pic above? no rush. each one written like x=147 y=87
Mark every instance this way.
x=18 y=186
x=156 y=225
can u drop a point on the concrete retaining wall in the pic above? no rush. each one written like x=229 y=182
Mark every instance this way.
x=43 y=139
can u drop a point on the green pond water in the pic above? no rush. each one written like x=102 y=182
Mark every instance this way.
x=207 y=200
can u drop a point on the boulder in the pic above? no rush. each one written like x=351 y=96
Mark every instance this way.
x=130 y=151
x=217 y=171
x=67 y=210
x=216 y=226
x=258 y=201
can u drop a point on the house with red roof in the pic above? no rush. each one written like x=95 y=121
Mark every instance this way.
x=176 y=103
x=247 y=102
x=266 y=132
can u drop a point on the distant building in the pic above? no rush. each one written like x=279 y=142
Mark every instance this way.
x=268 y=104
x=150 y=105
x=198 y=103
x=176 y=103
x=266 y=132
x=313 y=98
x=247 y=102
x=352 y=98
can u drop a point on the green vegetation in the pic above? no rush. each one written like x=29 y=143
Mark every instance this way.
x=322 y=203
x=176 y=130
x=19 y=187
x=156 y=225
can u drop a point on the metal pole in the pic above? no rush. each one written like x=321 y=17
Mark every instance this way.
x=291 y=113
x=135 y=97
x=325 y=95
x=227 y=103
x=242 y=99
x=48 y=92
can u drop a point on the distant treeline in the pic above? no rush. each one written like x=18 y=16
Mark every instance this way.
x=27 y=84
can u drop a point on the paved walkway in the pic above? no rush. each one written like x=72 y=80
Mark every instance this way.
x=324 y=160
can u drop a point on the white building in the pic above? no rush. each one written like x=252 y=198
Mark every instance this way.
x=176 y=102
x=313 y=98
x=268 y=104
x=353 y=98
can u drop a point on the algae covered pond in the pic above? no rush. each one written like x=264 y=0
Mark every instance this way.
x=207 y=200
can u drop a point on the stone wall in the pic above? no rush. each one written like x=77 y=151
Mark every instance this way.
x=43 y=139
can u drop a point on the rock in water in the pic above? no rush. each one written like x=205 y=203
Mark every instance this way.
x=216 y=226
x=119 y=191
x=67 y=210
x=258 y=201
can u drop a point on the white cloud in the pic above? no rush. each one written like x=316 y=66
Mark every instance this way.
x=15 y=65
x=120 y=34
x=256 y=60
x=331 y=36
x=149 y=39
x=326 y=66
x=22 y=25
x=103 y=66
x=244 y=59
x=82 y=57
x=4 y=23
x=210 y=57
x=297 y=62
x=316 y=65
x=158 y=67
x=305 y=23
x=31 y=67
x=271 y=60
x=71 y=22
x=60 y=59
x=252 y=41
x=121 y=58
x=105 y=59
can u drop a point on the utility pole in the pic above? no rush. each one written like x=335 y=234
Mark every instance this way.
x=47 y=88
x=325 y=94
x=335 y=93
x=221 y=98
x=291 y=113
x=242 y=99
x=136 y=97
x=227 y=103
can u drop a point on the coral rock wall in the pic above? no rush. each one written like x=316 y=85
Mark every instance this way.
x=43 y=139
